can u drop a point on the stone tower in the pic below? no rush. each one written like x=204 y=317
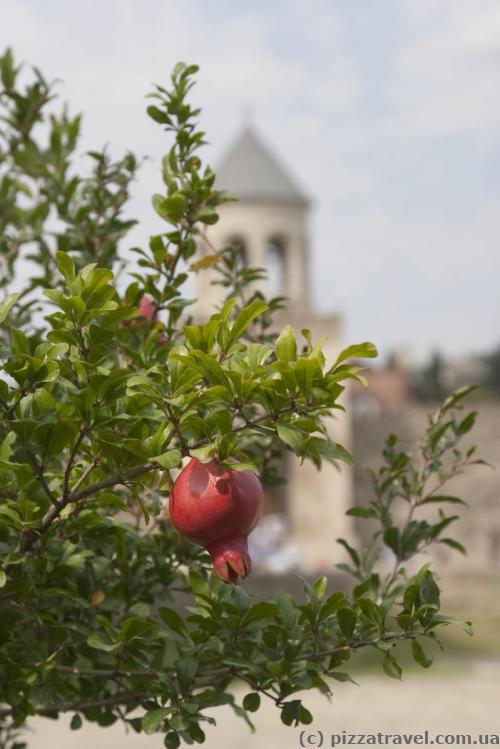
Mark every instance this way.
x=269 y=223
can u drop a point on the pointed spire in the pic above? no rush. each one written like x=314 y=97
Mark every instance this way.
x=250 y=172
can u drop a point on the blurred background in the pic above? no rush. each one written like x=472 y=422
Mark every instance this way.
x=365 y=137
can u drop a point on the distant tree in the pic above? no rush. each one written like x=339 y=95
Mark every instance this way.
x=429 y=385
x=493 y=374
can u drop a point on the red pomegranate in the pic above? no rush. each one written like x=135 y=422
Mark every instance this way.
x=147 y=308
x=217 y=508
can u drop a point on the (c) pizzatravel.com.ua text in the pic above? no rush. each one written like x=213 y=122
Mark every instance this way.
x=320 y=739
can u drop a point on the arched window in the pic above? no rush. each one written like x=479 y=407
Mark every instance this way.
x=275 y=266
x=240 y=244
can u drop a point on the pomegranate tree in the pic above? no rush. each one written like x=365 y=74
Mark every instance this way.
x=96 y=413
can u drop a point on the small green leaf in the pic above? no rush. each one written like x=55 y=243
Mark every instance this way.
x=453 y=544
x=172 y=740
x=347 y=618
x=251 y=702
x=436 y=498
x=342 y=676
x=461 y=623
x=454 y=400
x=6 y=305
x=390 y=666
x=362 y=512
x=419 y=655
x=320 y=585
x=171 y=209
x=100 y=641
x=467 y=423
x=168 y=460
x=152 y=720
x=261 y=610
x=286 y=345
x=243 y=320
x=3 y=578
x=365 y=350
x=66 y=267
x=157 y=115
x=205 y=262
x=173 y=620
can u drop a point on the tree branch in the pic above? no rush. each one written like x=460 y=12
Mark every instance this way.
x=71 y=460
x=40 y=477
x=53 y=512
x=66 y=707
x=105 y=673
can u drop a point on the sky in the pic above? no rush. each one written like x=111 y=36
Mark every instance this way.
x=386 y=112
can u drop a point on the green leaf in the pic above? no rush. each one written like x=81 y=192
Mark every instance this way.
x=157 y=115
x=390 y=666
x=261 y=610
x=453 y=544
x=207 y=261
x=365 y=350
x=467 y=423
x=172 y=740
x=290 y=712
x=292 y=436
x=170 y=459
x=436 y=498
x=454 y=400
x=76 y=722
x=362 y=512
x=350 y=550
x=99 y=641
x=6 y=305
x=207 y=215
x=342 y=677
x=152 y=720
x=320 y=585
x=333 y=451
x=6 y=446
x=173 y=620
x=204 y=454
x=286 y=345
x=3 y=578
x=243 y=320
x=66 y=267
x=251 y=702
x=461 y=623
x=347 y=618
x=306 y=371
x=171 y=209
x=392 y=538
x=419 y=655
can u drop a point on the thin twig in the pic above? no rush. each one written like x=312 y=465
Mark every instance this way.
x=71 y=460
x=40 y=477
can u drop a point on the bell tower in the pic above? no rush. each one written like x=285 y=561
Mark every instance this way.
x=268 y=223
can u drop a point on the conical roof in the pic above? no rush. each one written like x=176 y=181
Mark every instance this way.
x=249 y=171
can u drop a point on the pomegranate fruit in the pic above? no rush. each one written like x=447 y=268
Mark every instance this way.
x=217 y=508
x=147 y=308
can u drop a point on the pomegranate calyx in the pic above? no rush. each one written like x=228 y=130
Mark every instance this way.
x=231 y=559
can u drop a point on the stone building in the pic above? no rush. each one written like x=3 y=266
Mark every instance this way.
x=270 y=225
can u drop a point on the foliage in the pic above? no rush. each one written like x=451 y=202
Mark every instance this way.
x=429 y=386
x=99 y=406
x=492 y=378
